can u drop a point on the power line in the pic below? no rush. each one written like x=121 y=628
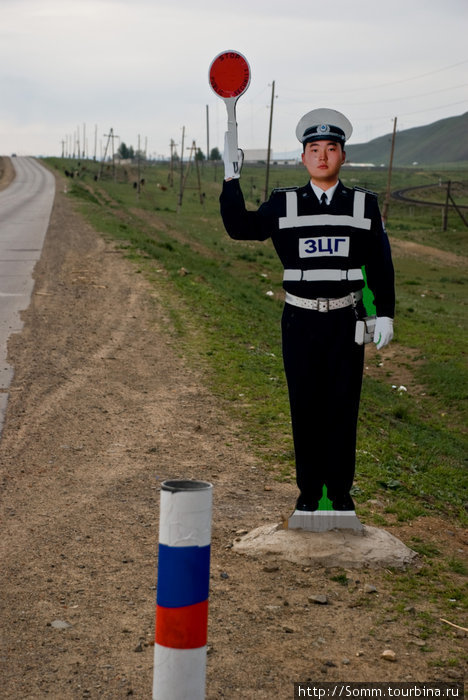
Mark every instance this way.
x=420 y=111
x=432 y=109
x=373 y=87
x=409 y=97
x=425 y=75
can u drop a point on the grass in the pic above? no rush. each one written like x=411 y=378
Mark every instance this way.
x=411 y=445
x=411 y=451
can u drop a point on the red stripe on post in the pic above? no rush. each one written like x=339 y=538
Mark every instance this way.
x=182 y=628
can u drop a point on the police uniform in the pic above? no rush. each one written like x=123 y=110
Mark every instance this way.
x=323 y=250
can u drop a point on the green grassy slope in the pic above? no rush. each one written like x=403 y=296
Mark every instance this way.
x=411 y=443
x=444 y=141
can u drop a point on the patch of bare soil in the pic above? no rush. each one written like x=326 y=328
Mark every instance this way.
x=395 y=366
x=7 y=172
x=101 y=410
x=436 y=255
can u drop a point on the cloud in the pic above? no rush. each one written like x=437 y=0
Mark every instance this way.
x=142 y=67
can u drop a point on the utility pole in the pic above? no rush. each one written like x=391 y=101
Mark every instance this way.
x=193 y=153
x=113 y=136
x=445 y=211
x=389 y=179
x=207 y=133
x=110 y=137
x=139 y=171
x=269 y=139
x=170 y=177
x=181 y=188
x=104 y=156
x=187 y=169
x=197 y=165
x=95 y=140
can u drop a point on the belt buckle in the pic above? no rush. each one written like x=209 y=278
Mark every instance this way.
x=323 y=305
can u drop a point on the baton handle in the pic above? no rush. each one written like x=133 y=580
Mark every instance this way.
x=231 y=134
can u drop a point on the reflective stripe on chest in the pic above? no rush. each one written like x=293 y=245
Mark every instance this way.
x=293 y=220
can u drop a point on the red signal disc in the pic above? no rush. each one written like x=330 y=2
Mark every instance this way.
x=229 y=74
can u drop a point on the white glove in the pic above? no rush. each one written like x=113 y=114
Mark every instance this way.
x=232 y=163
x=383 y=332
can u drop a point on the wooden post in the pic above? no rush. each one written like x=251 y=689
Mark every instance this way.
x=445 y=216
x=170 y=177
x=189 y=163
x=454 y=204
x=269 y=139
x=138 y=168
x=181 y=187
x=389 y=179
x=105 y=153
x=207 y=134
x=197 y=166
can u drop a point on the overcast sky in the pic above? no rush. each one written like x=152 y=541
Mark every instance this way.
x=140 y=67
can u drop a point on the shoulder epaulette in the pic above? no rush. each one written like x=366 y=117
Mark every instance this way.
x=363 y=189
x=285 y=189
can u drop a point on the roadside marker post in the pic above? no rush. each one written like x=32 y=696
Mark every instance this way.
x=182 y=590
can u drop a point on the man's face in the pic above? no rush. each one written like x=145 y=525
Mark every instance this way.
x=323 y=160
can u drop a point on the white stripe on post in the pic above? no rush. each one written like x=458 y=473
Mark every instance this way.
x=179 y=674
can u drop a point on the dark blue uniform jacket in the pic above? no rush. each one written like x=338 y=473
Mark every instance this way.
x=322 y=250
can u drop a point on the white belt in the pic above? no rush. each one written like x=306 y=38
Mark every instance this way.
x=324 y=305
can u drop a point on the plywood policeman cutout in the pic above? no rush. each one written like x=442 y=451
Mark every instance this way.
x=329 y=239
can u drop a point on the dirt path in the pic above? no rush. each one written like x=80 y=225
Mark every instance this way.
x=7 y=173
x=435 y=255
x=101 y=410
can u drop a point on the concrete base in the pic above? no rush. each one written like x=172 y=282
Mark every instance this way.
x=323 y=520
x=369 y=547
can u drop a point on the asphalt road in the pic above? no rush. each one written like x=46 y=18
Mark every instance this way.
x=25 y=208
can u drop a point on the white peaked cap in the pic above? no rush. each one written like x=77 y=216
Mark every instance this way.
x=324 y=123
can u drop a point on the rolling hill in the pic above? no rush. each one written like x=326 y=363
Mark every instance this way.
x=444 y=141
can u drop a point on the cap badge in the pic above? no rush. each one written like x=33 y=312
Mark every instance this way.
x=323 y=129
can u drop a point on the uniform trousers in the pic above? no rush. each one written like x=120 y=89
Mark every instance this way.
x=323 y=367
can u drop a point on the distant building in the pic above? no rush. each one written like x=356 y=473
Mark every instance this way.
x=260 y=155
x=286 y=161
x=256 y=155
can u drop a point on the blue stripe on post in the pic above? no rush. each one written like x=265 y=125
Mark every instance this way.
x=183 y=575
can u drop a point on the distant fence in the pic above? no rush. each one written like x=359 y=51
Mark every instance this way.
x=401 y=195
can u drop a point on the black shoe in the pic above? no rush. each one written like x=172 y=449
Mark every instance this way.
x=307 y=504
x=343 y=502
